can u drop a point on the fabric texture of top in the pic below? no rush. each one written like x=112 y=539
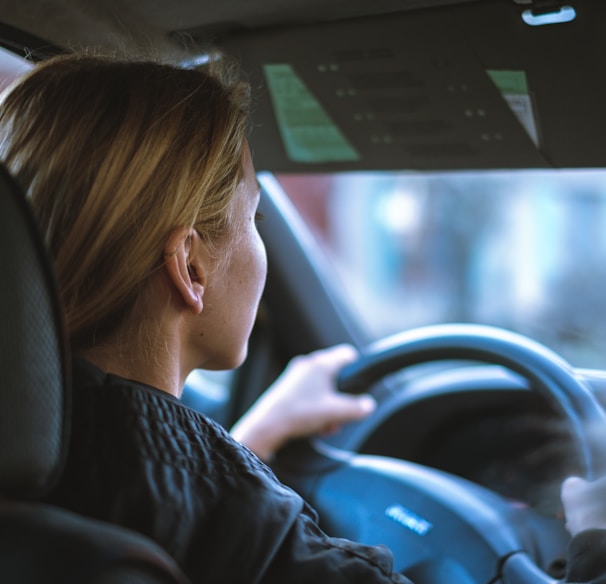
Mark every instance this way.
x=140 y=458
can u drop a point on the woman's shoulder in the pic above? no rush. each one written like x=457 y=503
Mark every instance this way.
x=140 y=423
x=140 y=458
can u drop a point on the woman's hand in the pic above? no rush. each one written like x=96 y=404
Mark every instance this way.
x=302 y=402
x=584 y=504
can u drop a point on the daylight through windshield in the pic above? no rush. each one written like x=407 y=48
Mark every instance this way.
x=524 y=250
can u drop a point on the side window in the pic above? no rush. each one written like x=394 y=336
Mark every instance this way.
x=209 y=392
x=11 y=67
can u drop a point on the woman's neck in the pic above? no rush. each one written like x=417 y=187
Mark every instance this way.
x=140 y=358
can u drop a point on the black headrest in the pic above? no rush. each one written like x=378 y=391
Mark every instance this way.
x=33 y=361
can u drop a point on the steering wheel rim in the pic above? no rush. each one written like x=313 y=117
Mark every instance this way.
x=324 y=470
x=554 y=378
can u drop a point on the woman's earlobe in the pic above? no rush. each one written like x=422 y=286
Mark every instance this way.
x=197 y=303
x=183 y=272
x=197 y=290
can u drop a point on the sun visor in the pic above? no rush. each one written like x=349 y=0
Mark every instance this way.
x=420 y=90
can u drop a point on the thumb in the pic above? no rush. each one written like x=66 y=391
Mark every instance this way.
x=349 y=408
x=353 y=407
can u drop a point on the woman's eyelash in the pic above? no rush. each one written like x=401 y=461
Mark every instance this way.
x=259 y=217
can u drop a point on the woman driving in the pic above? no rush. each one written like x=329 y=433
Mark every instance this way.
x=142 y=179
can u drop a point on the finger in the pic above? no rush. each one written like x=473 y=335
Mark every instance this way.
x=338 y=355
x=571 y=487
x=348 y=408
x=329 y=429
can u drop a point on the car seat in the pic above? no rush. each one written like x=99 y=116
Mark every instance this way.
x=40 y=543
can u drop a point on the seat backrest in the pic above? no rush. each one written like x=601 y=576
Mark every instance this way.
x=40 y=543
x=34 y=396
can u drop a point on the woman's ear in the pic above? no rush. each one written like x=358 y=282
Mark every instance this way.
x=185 y=267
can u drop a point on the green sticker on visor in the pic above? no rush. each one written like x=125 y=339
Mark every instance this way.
x=509 y=81
x=513 y=86
x=308 y=133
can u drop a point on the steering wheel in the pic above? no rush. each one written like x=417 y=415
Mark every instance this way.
x=442 y=528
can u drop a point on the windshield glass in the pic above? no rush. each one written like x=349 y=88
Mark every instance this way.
x=523 y=250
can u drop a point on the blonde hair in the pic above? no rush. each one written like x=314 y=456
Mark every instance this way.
x=114 y=154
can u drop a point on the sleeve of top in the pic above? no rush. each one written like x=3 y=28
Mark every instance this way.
x=307 y=554
x=587 y=558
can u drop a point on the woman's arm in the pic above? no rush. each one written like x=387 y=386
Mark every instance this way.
x=303 y=401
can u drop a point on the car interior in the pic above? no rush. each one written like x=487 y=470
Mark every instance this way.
x=479 y=418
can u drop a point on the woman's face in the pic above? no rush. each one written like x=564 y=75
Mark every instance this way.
x=233 y=291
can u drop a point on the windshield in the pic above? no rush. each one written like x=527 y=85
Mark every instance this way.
x=523 y=250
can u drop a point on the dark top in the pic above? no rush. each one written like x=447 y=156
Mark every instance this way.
x=140 y=458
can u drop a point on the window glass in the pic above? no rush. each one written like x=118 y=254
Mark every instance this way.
x=523 y=250
x=11 y=66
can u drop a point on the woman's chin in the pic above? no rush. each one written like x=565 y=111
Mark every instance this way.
x=225 y=362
